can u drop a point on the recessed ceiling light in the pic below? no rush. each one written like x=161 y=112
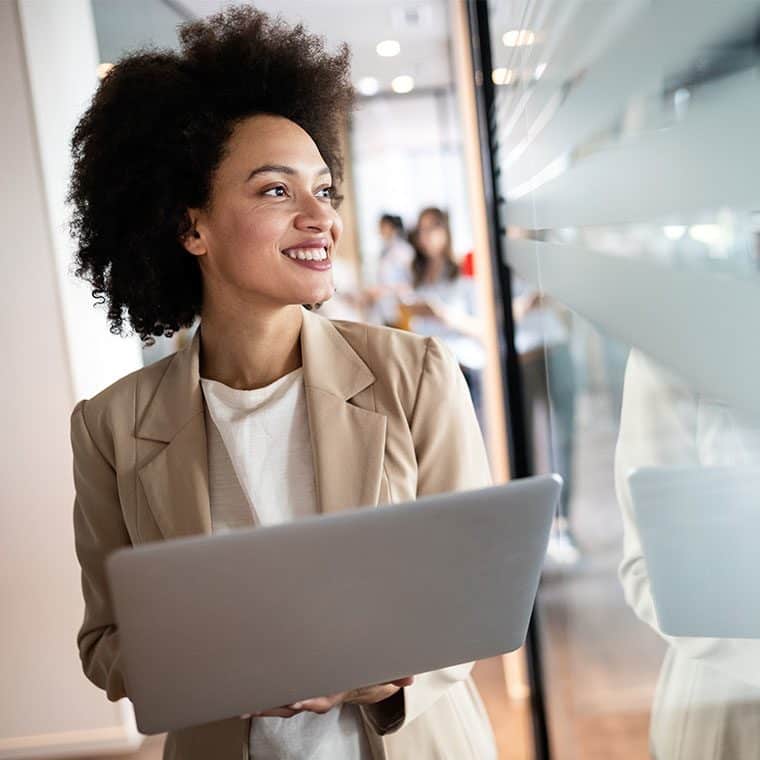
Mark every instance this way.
x=368 y=86
x=709 y=234
x=103 y=69
x=518 y=37
x=402 y=84
x=502 y=76
x=674 y=231
x=388 y=48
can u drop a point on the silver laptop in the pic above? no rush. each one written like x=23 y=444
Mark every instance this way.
x=699 y=529
x=216 y=626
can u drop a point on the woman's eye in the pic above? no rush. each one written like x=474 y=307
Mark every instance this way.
x=327 y=192
x=276 y=192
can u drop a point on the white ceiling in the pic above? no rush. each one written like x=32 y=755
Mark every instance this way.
x=361 y=23
x=568 y=32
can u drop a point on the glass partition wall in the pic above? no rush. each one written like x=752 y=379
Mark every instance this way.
x=623 y=142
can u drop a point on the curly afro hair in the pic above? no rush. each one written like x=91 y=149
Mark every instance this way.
x=148 y=146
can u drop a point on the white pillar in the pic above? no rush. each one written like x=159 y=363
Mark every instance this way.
x=61 y=56
x=55 y=349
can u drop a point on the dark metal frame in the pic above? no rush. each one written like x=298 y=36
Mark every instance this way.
x=480 y=40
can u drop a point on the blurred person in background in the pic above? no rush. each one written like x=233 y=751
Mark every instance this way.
x=393 y=278
x=443 y=302
x=542 y=342
x=217 y=199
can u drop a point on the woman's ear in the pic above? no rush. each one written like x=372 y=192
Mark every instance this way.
x=193 y=240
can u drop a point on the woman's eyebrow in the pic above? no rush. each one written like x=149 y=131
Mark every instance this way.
x=281 y=169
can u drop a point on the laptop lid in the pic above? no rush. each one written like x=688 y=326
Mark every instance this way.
x=215 y=626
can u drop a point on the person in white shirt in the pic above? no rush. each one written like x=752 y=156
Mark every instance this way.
x=443 y=303
x=394 y=274
x=542 y=342
x=217 y=199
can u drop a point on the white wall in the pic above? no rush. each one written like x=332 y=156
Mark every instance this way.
x=55 y=350
x=61 y=58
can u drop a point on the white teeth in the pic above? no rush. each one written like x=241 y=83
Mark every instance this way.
x=307 y=254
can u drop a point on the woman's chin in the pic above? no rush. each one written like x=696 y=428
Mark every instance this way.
x=320 y=296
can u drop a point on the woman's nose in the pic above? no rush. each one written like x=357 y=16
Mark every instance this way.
x=315 y=214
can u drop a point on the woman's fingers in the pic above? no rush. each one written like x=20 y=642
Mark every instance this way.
x=369 y=695
x=275 y=712
x=321 y=705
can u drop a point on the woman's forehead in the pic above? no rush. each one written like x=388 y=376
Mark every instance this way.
x=273 y=140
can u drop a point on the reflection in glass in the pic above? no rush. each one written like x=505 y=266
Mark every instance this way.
x=680 y=489
x=631 y=208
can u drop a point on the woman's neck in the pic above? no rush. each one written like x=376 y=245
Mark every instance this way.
x=434 y=269
x=252 y=350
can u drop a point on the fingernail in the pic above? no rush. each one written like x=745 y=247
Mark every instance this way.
x=296 y=706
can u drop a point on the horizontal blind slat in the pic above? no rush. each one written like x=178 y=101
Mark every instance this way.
x=704 y=162
x=699 y=325
x=655 y=47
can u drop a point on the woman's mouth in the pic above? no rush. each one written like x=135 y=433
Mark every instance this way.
x=307 y=254
x=313 y=258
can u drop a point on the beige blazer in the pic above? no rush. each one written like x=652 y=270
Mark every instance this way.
x=390 y=420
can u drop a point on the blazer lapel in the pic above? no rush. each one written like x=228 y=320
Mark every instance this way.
x=175 y=481
x=348 y=442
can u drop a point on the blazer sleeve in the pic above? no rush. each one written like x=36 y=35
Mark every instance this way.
x=99 y=529
x=659 y=427
x=451 y=456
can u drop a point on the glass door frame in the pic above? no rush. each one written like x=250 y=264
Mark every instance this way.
x=515 y=429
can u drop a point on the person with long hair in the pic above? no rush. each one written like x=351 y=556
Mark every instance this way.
x=205 y=187
x=443 y=302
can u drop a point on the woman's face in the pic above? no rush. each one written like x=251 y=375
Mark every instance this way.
x=387 y=231
x=271 y=230
x=432 y=238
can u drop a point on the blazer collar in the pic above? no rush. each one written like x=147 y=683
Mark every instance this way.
x=348 y=441
x=329 y=362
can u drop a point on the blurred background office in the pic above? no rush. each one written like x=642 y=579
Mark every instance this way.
x=566 y=192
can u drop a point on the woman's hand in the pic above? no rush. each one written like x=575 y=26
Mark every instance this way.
x=367 y=695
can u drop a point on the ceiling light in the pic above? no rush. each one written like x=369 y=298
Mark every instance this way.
x=709 y=234
x=368 y=86
x=518 y=37
x=388 y=48
x=674 y=231
x=502 y=76
x=103 y=69
x=402 y=84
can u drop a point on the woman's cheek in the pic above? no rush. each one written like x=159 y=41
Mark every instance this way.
x=337 y=228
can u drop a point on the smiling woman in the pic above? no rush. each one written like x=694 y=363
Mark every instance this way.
x=205 y=185
x=267 y=234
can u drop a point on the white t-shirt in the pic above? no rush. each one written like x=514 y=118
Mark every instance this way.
x=266 y=436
